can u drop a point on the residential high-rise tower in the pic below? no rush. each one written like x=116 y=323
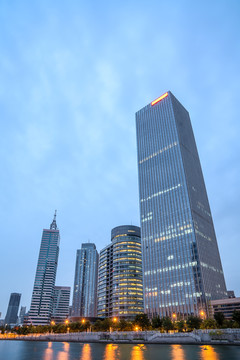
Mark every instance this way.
x=120 y=289
x=182 y=269
x=43 y=291
x=85 y=282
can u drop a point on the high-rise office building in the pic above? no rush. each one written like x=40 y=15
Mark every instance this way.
x=120 y=289
x=61 y=300
x=85 y=282
x=182 y=269
x=42 y=298
x=12 y=311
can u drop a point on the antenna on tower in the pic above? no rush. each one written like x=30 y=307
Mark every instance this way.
x=53 y=225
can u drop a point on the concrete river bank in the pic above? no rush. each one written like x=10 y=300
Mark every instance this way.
x=225 y=336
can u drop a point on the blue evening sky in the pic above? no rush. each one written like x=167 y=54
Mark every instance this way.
x=72 y=76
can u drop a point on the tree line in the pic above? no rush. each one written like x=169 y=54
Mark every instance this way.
x=140 y=323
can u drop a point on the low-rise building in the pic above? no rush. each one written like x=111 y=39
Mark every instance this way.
x=225 y=306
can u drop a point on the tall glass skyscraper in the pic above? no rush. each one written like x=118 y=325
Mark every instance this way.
x=85 y=282
x=43 y=291
x=120 y=289
x=12 y=311
x=182 y=269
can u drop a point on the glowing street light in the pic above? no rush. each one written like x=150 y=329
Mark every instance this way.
x=136 y=328
x=83 y=321
x=115 y=319
x=66 y=321
x=52 y=324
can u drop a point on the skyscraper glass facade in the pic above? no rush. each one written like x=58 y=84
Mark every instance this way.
x=85 y=282
x=43 y=291
x=182 y=269
x=120 y=292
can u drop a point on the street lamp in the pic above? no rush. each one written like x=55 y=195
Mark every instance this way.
x=67 y=322
x=83 y=321
x=52 y=324
x=202 y=314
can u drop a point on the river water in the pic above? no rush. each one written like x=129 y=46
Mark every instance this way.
x=36 y=350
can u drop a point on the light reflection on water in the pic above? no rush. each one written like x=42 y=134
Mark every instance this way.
x=209 y=353
x=177 y=352
x=111 y=352
x=39 y=350
x=64 y=355
x=86 y=352
x=48 y=354
x=137 y=352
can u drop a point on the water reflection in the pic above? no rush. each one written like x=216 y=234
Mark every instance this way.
x=48 y=353
x=111 y=352
x=86 y=352
x=177 y=352
x=137 y=352
x=208 y=353
x=63 y=355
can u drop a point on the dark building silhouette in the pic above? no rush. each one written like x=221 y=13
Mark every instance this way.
x=12 y=311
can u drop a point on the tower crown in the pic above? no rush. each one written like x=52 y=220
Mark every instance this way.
x=53 y=225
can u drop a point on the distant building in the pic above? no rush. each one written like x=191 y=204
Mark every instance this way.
x=231 y=294
x=182 y=269
x=22 y=314
x=61 y=300
x=12 y=311
x=225 y=306
x=120 y=289
x=85 y=282
x=42 y=297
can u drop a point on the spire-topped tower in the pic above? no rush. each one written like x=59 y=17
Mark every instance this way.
x=43 y=290
x=53 y=225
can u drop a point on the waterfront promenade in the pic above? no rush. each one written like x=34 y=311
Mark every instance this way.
x=225 y=336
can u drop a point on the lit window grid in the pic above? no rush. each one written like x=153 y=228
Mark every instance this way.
x=121 y=257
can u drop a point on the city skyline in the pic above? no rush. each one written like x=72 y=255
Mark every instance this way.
x=72 y=78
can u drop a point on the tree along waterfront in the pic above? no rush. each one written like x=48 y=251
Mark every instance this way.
x=141 y=322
